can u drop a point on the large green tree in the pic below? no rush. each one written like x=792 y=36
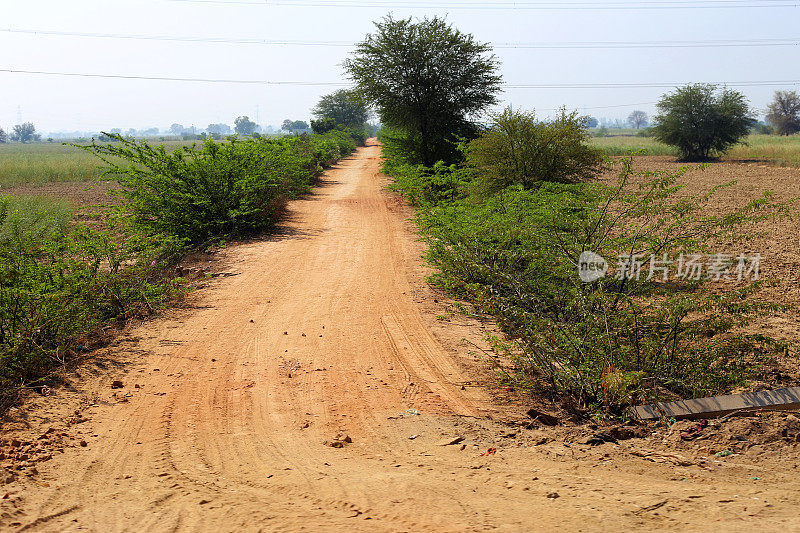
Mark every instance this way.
x=702 y=121
x=345 y=107
x=426 y=79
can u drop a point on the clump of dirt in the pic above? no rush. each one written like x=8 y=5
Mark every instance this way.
x=20 y=456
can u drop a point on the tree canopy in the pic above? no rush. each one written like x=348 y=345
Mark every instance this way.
x=219 y=129
x=784 y=112
x=637 y=118
x=345 y=107
x=25 y=133
x=244 y=126
x=701 y=121
x=294 y=125
x=427 y=79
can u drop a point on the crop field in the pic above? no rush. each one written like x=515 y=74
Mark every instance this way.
x=771 y=149
x=42 y=163
x=46 y=163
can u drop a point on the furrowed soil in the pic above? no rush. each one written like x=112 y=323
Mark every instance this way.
x=319 y=387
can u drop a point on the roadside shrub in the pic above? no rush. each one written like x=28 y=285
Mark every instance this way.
x=424 y=186
x=215 y=190
x=323 y=125
x=519 y=149
x=346 y=140
x=702 y=122
x=619 y=339
x=59 y=282
x=359 y=134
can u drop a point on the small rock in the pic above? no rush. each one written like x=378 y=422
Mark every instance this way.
x=553 y=495
x=116 y=384
x=203 y=502
x=83 y=444
x=339 y=441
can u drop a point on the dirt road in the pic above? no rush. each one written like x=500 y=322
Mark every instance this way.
x=328 y=329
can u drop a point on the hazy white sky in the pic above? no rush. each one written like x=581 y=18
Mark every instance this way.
x=71 y=103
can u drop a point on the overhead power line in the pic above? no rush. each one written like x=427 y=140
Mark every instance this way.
x=171 y=78
x=516 y=6
x=751 y=83
x=500 y=45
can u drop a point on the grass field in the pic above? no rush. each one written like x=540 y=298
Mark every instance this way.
x=44 y=163
x=781 y=151
x=41 y=163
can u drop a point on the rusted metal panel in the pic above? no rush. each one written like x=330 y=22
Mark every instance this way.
x=780 y=399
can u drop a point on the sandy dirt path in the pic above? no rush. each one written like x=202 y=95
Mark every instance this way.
x=222 y=422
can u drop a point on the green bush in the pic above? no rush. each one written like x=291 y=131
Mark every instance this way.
x=203 y=193
x=59 y=282
x=323 y=125
x=612 y=342
x=519 y=149
x=424 y=186
x=346 y=140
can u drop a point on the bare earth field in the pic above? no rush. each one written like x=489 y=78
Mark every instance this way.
x=315 y=389
x=778 y=241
